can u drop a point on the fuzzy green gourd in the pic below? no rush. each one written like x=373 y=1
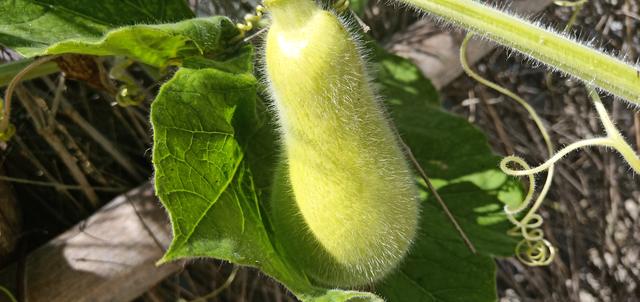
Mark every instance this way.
x=344 y=206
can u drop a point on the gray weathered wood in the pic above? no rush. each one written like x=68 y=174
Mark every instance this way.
x=109 y=257
x=436 y=51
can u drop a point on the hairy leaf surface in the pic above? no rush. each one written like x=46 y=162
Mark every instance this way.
x=30 y=26
x=157 y=45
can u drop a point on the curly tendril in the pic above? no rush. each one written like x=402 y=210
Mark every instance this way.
x=250 y=21
x=533 y=249
x=341 y=5
x=613 y=139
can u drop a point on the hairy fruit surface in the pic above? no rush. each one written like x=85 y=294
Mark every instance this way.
x=344 y=205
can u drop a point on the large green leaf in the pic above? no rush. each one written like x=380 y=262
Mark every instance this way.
x=441 y=267
x=446 y=146
x=430 y=274
x=30 y=26
x=399 y=80
x=200 y=170
x=209 y=138
x=407 y=94
x=202 y=177
x=215 y=151
x=156 y=45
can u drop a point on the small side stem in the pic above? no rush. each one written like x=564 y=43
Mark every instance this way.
x=599 y=141
x=433 y=190
x=9 y=70
x=8 y=94
x=617 y=141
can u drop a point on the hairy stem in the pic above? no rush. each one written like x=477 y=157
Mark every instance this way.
x=617 y=141
x=9 y=70
x=541 y=44
x=600 y=141
x=8 y=94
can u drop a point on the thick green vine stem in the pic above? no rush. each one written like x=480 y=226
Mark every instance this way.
x=542 y=44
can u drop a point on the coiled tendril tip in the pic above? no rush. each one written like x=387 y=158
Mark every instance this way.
x=533 y=249
x=535 y=253
x=341 y=5
x=250 y=21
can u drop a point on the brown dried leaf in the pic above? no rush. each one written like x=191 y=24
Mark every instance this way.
x=88 y=69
